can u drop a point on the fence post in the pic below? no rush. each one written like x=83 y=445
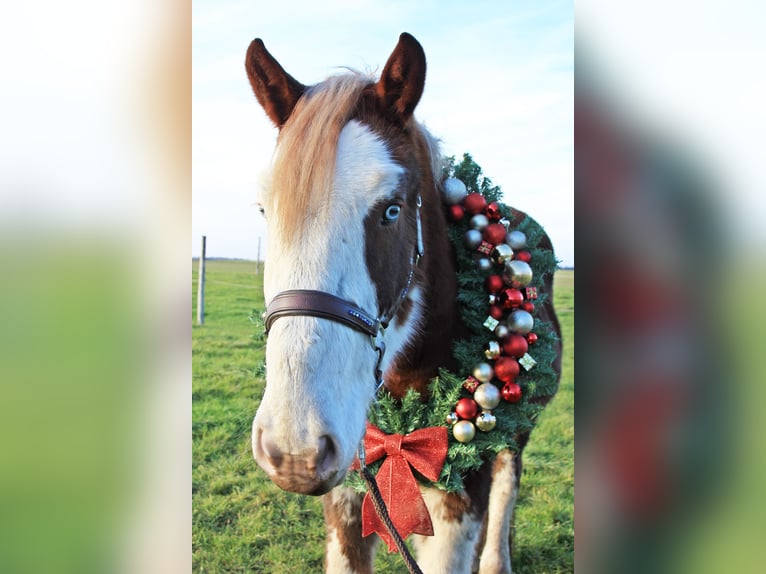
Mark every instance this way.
x=201 y=286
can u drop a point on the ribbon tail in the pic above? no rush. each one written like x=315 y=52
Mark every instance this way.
x=403 y=500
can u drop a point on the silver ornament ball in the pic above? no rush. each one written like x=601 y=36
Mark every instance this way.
x=479 y=221
x=502 y=331
x=486 y=421
x=463 y=431
x=520 y=322
x=517 y=273
x=487 y=396
x=517 y=240
x=454 y=191
x=483 y=264
x=472 y=238
x=483 y=372
x=452 y=418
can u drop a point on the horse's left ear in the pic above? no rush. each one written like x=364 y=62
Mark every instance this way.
x=401 y=83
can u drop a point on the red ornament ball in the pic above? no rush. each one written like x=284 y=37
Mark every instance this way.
x=511 y=392
x=515 y=346
x=494 y=283
x=494 y=233
x=466 y=408
x=506 y=369
x=524 y=256
x=528 y=306
x=531 y=338
x=511 y=298
x=456 y=212
x=474 y=203
x=496 y=312
x=492 y=211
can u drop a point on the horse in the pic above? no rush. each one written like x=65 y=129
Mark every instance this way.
x=358 y=240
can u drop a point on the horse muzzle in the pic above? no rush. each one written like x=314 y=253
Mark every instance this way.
x=314 y=470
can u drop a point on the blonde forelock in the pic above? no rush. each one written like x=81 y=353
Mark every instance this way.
x=304 y=160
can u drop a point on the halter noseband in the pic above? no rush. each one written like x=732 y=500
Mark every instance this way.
x=305 y=302
x=311 y=303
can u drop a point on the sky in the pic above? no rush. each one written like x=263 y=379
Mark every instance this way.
x=499 y=85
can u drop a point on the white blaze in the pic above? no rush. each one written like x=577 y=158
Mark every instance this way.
x=320 y=373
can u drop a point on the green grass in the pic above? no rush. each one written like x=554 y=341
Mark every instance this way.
x=243 y=523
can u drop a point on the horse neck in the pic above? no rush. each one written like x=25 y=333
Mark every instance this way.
x=440 y=324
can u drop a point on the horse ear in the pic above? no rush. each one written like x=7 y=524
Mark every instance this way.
x=401 y=83
x=276 y=90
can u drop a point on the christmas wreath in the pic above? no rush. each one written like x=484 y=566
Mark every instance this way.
x=506 y=363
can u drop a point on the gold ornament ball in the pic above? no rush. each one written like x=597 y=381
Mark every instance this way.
x=483 y=372
x=464 y=431
x=517 y=273
x=501 y=253
x=452 y=418
x=486 y=421
x=487 y=396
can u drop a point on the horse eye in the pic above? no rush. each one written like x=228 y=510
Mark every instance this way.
x=392 y=212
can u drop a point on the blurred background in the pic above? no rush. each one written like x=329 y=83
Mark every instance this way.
x=670 y=242
x=95 y=351
x=95 y=221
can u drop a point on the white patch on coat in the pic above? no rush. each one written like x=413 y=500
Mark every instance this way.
x=345 y=504
x=451 y=549
x=319 y=372
x=496 y=556
x=335 y=561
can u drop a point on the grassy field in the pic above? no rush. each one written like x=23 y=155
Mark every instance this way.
x=243 y=523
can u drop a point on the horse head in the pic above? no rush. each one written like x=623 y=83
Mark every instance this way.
x=349 y=172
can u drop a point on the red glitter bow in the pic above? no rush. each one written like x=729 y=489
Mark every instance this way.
x=424 y=449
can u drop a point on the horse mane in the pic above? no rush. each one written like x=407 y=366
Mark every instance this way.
x=304 y=160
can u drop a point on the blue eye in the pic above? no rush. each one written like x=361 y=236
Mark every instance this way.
x=392 y=212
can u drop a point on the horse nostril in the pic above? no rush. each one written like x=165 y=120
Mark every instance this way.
x=266 y=451
x=271 y=450
x=326 y=458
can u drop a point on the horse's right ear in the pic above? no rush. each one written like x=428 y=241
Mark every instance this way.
x=276 y=90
